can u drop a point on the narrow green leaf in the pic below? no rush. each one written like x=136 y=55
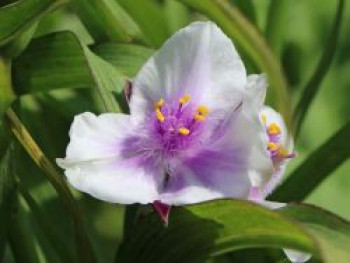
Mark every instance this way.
x=332 y=234
x=315 y=168
x=177 y=15
x=313 y=85
x=85 y=252
x=247 y=8
x=106 y=20
x=7 y=94
x=210 y=229
x=128 y=59
x=237 y=27
x=17 y=17
x=50 y=229
x=21 y=236
x=7 y=188
x=60 y=61
x=149 y=17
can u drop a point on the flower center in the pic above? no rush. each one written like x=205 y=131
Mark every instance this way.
x=177 y=125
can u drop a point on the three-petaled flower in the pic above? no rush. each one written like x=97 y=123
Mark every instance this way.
x=194 y=132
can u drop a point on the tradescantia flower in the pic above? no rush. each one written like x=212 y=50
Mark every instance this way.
x=280 y=146
x=193 y=134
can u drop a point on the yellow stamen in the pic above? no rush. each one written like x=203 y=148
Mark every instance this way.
x=272 y=146
x=184 y=99
x=274 y=129
x=184 y=131
x=159 y=104
x=263 y=118
x=199 y=117
x=282 y=152
x=160 y=116
x=203 y=110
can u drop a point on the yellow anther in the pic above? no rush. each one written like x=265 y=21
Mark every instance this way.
x=184 y=99
x=199 y=117
x=263 y=118
x=274 y=129
x=160 y=116
x=159 y=104
x=272 y=146
x=282 y=152
x=203 y=110
x=184 y=131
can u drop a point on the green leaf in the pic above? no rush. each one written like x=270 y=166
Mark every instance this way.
x=150 y=18
x=60 y=61
x=277 y=21
x=7 y=187
x=177 y=15
x=84 y=250
x=17 y=17
x=247 y=7
x=237 y=27
x=7 y=94
x=313 y=85
x=106 y=20
x=199 y=231
x=128 y=59
x=315 y=168
x=331 y=233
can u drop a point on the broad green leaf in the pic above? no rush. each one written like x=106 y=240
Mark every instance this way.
x=315 y=168
x=106 y=20
x=128 y=59
x=17 y=45
x=177 y=15
x=237 y=27
x=60 y=61
x=17 y=17
x=313 y=85
x=331 y=233
x=197 y=232
x=149 y=17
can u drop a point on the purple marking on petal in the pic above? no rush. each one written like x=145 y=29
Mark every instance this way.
x=163 y=211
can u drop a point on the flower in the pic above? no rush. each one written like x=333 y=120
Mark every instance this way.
x=280 y=146
x=193 y=134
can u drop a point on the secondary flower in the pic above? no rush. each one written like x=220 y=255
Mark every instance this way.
x=193 y=134
x=280 y=146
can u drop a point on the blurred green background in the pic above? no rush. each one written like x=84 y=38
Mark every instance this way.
x=303 y=30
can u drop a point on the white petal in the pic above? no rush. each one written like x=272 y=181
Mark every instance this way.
x=256 y=88
x=96 y=163
x=123 y=182
x=199 y=60
x=297 y=256
x=94 y=137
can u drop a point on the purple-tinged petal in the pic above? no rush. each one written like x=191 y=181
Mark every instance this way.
x=96 y=161
x=199 y=60
x=163 y=211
